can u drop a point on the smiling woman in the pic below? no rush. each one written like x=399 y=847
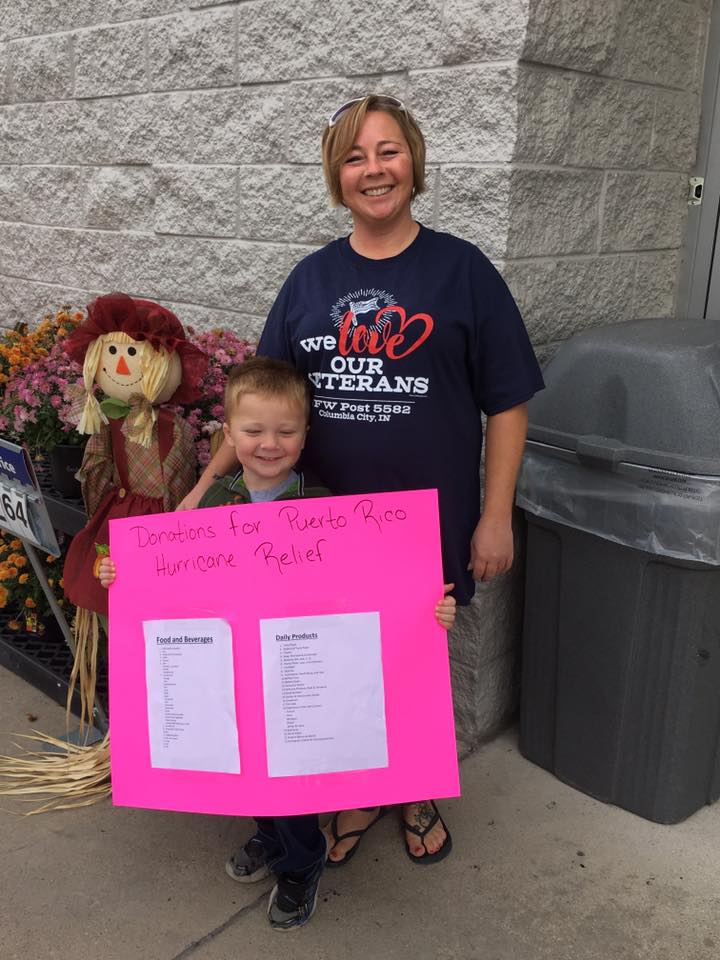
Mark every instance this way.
x=399 y=312
x=374 y=164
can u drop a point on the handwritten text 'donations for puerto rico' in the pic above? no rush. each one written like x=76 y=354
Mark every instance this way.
x=292 y=535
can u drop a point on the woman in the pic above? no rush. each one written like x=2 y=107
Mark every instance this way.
x=406 y=335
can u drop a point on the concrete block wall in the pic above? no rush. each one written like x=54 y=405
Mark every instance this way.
x=610 y=107
x=171 y=149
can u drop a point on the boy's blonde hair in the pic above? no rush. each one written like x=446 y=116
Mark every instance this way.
x=337 y=141
x=273 y=378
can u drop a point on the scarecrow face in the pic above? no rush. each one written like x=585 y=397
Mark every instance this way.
x=120 y=372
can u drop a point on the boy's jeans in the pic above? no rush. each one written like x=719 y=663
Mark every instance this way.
x=293 y=845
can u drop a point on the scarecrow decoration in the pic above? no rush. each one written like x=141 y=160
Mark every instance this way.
x=139 y=458
x=140 y=455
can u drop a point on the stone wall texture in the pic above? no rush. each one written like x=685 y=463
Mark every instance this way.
x=171 y=149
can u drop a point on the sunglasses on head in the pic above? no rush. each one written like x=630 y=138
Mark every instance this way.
x=379 y=98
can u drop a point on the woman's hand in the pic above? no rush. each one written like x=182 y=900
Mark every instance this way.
x=491 y=549
x=224 y=461
x=445 y=610
x=192 y=499
x=492 y=546
x=107 y=571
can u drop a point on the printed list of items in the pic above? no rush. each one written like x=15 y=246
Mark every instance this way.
x=324 y=694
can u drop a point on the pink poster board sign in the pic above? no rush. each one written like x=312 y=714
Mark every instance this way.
x=376 y=555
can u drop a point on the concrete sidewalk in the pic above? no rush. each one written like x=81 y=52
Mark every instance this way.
x=538 y=872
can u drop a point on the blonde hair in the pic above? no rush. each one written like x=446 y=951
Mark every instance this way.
x=338 y=140
x=273 y=378
x=155 y=367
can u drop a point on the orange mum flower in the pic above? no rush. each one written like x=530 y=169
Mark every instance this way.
x=30 y=603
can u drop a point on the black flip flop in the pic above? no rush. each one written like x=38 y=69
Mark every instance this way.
x=429 y=858
x=337 y=837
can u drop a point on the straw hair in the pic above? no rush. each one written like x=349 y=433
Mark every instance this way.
x=92 y=416
x=155 y=366
x=338 y=140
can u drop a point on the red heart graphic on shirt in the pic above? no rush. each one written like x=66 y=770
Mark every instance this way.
x=396 y=339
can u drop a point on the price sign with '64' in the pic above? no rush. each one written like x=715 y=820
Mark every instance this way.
x=14 y=512
x=22 y=508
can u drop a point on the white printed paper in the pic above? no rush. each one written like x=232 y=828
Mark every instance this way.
x=324 y=694
x=191 y=695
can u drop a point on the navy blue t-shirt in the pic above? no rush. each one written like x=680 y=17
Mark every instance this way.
x=403 y=354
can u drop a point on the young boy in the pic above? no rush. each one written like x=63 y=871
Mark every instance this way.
x=267 y=406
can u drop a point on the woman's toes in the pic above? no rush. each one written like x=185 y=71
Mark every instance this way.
x=348 y=821
x=421 y=815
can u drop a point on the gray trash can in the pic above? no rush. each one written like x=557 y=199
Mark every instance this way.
x=621 y=642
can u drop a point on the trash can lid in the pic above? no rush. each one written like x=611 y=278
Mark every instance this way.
x=645 y=392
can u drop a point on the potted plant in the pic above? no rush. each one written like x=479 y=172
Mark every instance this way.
x=40 y=396
x=21 y=595
x=225 y=350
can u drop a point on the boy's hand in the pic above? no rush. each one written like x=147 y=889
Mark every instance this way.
x=445 y=610
x=107 y=572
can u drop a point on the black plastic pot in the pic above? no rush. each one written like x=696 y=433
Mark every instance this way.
x=65 y=460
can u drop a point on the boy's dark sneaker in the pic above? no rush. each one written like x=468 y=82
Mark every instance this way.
x=249 y=864
x=292 y=902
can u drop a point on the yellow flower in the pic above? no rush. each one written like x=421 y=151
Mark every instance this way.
x=20 y=561
x=14 y=624
x=62 y=582
x=49 y=559
x=23 y=578
x=51 y=582
x=29 y=602
x=16 y=544
x=3 y=597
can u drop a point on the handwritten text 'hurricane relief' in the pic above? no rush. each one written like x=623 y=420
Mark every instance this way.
x=279 y=558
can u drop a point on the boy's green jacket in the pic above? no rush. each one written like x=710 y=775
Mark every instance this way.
x=229 y=490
